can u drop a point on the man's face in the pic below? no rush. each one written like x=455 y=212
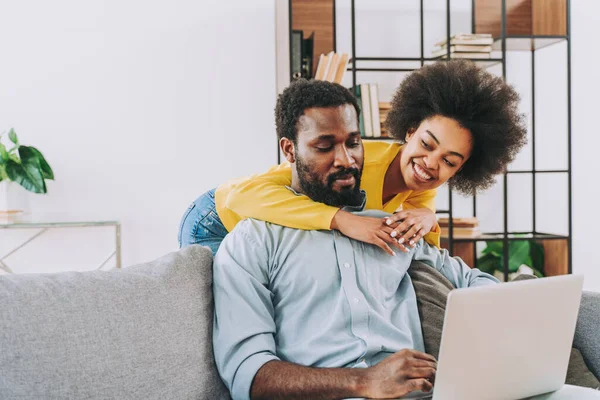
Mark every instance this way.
x=434 y=153
x=328 y=156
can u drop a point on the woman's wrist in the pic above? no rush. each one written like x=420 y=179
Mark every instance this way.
x=335 y=221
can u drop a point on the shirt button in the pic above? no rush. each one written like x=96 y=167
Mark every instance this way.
x=355 y=300
x=346 y=265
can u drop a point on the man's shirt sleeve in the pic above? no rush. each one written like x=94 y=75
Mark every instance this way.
x=244 y=326
x=453 y=268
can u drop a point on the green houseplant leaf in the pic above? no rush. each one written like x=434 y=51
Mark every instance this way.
x=13 y=136
x=518 y=254
x=495 y=248
x=489 y=263
x=24 y=165
x=3 y=154
x=29 y=153
x=527 y=252
x=27 y=174
x=537 y=256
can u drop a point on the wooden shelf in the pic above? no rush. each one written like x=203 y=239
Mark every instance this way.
x=527 y=43
x=523 y=17
x=556 y=250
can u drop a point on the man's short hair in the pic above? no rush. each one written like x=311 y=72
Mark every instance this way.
x=479 y=101
x=302 y=95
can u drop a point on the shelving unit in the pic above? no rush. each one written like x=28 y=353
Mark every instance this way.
x=517 y=25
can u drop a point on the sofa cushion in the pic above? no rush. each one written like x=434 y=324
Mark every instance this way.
x=144 y=332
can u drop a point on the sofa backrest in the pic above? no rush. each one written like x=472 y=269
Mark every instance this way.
x=144 y=332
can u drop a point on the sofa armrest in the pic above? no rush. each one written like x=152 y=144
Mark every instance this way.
x=587 y=339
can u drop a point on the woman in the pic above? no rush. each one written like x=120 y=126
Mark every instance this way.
x=453 y=121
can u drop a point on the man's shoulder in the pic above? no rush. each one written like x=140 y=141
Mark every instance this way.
x=260 y=232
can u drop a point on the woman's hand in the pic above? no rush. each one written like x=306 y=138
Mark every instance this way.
x=411 y=225
x=367 y=229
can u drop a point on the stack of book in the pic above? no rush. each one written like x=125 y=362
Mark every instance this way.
x=370 y=118
x=465 y=45
x=461 y=227
x=384 y=109
x=332 y=67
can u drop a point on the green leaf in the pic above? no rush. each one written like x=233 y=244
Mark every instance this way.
x=489 y=263
x=537 y=256
x=27 y=174
x=494 y=247
x=3 y=154
x=29 y=152
x=518 y=254
x=13 y=136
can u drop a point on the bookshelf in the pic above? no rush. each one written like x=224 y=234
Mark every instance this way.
x=517 y=26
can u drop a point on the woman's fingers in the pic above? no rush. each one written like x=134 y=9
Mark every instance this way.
x=384 y=246
x=385 y=236
x=410 y=236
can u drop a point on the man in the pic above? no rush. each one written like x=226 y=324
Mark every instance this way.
x=314 y=314
x=286 y=299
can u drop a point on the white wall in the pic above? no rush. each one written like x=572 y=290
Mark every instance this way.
x=139 y=106
x=586 y=139
x=388 y=28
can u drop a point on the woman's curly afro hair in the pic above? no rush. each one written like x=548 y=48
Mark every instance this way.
x=479 y=101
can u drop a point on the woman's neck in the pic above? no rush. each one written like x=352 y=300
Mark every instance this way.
x=393 y=182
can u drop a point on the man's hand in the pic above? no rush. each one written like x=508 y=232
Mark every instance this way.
x=399 y=374
x=367 y=229
x=411 y=225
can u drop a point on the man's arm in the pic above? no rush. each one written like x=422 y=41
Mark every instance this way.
x=453 y=268
x=397 y=375
x=244 y=344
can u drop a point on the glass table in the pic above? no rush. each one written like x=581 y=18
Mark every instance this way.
x=44 y=222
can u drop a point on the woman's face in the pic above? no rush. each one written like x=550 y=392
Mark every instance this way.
x=434 y=153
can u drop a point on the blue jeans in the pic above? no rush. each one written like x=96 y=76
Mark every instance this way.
x=201 y=224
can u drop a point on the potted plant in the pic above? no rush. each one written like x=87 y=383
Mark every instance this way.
x=522 y=255
x=21 y=167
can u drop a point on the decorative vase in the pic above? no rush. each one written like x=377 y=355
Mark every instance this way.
x=13 y=199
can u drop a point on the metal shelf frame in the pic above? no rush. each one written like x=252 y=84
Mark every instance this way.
x=505 y=43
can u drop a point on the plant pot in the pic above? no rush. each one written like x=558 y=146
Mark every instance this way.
x=14 y=199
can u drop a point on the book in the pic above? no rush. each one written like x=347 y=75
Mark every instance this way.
x=440 y=50
x=466 y=55
x=365 y=92
x=328 y=60
x=461 y=232
x=296 y=54
x=361 y=118
x=468 y=39
x=341 y=70
x=320 y=73
x=333 y=66
x=465 y=222
x=375 y=117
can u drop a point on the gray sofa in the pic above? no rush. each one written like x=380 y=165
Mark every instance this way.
x=143 y=332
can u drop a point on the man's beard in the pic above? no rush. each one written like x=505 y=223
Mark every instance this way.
x=312 y=186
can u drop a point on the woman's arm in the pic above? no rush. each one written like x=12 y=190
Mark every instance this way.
x=266 y=197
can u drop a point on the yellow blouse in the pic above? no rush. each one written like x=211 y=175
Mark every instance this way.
x=264 y=196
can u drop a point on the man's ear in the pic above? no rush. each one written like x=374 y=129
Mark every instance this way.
x=288 y=149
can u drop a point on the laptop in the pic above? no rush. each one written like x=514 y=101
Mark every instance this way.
x=507 y=341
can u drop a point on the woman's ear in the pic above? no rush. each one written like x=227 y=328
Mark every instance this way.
x=288 y=149
x=409 y=134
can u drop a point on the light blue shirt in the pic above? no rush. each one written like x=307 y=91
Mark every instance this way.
x=316 y=298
